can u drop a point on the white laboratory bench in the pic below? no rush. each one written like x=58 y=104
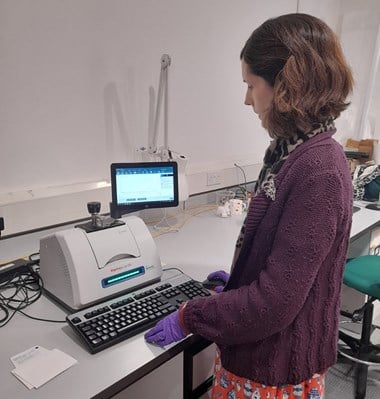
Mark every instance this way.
x=204 y=244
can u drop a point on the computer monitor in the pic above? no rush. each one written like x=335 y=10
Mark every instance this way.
x=142 y=185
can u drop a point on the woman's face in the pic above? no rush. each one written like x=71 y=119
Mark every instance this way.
x=259 y=93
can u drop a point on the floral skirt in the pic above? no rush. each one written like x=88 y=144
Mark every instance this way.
x=228 y=386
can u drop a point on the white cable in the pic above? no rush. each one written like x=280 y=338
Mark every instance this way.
x=168 y=227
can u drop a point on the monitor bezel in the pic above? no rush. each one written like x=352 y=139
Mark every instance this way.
x=118 y=210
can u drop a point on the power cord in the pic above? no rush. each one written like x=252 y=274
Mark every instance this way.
x=168 y=228
x=188 y=214
x=243 y=188
x=19 y=289
x=172 y=268
x=34 y=259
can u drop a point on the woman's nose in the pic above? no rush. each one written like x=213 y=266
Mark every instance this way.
x=248 y=100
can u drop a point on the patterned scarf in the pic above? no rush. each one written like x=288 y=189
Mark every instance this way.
x=364 y=175
x=276 y=154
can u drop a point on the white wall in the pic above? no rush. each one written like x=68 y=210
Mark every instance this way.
x=374 y=99
x=75 y=85
x=76 y=74
x=357 y=23
x=74 y=94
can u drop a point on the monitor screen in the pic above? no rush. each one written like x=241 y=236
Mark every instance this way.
x=142 y=185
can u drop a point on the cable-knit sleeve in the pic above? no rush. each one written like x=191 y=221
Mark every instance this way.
x=303 y=239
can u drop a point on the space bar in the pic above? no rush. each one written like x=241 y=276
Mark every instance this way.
x=134 y=325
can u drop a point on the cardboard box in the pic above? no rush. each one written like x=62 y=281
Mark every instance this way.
x=363 y=147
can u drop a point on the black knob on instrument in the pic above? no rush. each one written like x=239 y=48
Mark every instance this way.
x=93 y=207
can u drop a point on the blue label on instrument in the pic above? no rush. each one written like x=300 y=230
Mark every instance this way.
x=121 y=277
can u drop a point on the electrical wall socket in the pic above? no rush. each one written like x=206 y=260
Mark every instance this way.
x=214 y=178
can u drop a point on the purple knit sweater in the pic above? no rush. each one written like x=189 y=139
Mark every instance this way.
x=277 y=320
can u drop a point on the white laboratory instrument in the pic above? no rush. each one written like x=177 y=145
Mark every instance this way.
x=81 y=268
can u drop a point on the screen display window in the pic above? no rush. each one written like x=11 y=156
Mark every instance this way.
x=140 y=185
x=145 y=184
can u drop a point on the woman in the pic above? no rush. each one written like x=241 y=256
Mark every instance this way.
x=276 y=322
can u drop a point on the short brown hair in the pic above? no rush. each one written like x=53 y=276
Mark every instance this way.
x=301 y=58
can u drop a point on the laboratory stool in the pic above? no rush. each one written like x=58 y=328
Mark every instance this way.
x=362 y=274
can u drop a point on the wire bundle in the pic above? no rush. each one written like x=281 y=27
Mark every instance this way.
x=18 y=290
x=185 y=215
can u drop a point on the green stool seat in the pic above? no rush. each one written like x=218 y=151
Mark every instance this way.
x=363 y=274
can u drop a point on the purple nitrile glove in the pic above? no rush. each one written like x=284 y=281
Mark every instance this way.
x=219 y=275
x=219 y=288
x=166 y=331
